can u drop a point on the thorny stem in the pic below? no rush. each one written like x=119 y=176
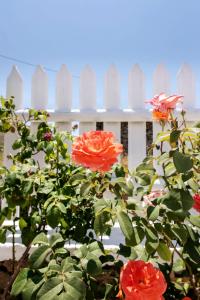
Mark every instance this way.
x=16 y=272
x=192 y=278
x=13 y=247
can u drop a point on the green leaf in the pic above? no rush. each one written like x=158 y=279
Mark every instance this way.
x=41 y=239
x=61 y=207
x=195 y=220
x=94 y=266
x=22 y=223
x=20 y=282
x=100 y=205
x=153 y=212
x=107 y=291
x=60 y=251
x=164 y=251
x=186 y=200
x=100 y=223
x=180 y=232
x=77 y=178
x=31 y=288
x=51 y=288
x=193 y=251
x=47 y=188
x=137 y=236
x=38 y=256
x=178 y=200
x=53 y=216
x=55 y=239
x=17 y=144
x=2 y=235
x=182 y=162
x=174 y=136
x=127 y=252
x=74 y=287
x=28 y=187
x=151 y=239
x=85 y=188
x=125 y=224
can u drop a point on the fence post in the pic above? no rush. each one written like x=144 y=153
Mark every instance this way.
x=63 y=90
x=63 y=98
x=186 y=86
x=39 y=100
x=112 y=99
x=14 y=87
x=39 y=89
x=161 y=80
x=87 y=96
x=136 y=130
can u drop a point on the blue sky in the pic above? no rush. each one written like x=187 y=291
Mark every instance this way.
x=99 y=32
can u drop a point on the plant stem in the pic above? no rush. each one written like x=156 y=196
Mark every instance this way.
x=13 y=248
x=192 y=279
x=16 y=272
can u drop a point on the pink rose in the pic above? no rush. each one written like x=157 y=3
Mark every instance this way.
x=165 y=103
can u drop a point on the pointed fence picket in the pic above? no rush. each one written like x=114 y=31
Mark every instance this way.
x=136 y=130
x=63 y=90
x=186 y=86
x=14 y=88
x=87 y=97
x=112 y=99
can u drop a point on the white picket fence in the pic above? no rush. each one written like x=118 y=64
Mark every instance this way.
x=88 y=114
x=112 y=115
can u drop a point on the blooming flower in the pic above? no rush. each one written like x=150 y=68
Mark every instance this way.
x=96 y=150
x=160 y=115
x=186 y=298
x=48 y=136
x=162 y=102
x=139 y=280
x=196 y=199
x=162 y=105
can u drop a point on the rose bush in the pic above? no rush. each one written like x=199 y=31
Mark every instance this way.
x=84 y=196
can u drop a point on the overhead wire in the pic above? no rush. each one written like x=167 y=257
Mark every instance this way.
x=30 y=64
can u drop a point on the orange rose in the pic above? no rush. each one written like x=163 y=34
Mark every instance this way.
x=160 y=115
x=96 y=150
x=139 y=280
x=196 y=199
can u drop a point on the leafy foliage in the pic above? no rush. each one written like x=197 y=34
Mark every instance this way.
x=82 y=206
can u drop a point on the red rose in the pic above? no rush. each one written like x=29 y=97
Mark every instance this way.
x=140 y=280
x=196 y=204
x=96 y=150
x=186 y=298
